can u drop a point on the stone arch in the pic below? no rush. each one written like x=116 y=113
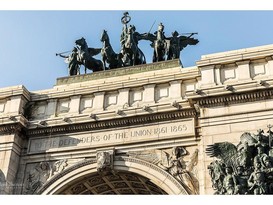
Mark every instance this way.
x=155 y=174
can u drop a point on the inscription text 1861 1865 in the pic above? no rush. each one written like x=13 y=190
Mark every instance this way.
x=116 y=136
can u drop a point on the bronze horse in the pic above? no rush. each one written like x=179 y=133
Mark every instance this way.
x=85 y=56
x=107 y=53
x=132 y=55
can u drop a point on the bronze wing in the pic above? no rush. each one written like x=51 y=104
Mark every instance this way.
x=225 y=151
x=94 y=51
x=149 y=37
x=184 y=41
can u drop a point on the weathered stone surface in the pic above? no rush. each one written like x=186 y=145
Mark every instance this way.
x=136 y=109
x=114 y=136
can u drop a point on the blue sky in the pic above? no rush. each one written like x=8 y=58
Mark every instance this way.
x=29 y=39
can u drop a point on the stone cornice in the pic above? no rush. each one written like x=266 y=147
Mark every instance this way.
x=236 y=55
x=7 y=129
x=235 y=98
x=111 y=123
x=119 y=72
x=14 y=91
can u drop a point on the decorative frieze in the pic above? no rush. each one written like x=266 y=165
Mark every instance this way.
x=97 y=125
x=115 y=136
x=13 y=128
x=234 y=99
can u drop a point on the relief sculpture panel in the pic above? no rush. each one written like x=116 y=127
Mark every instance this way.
x=173 y=161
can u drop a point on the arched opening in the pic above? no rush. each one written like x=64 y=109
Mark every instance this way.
x=113 y=183
x=129 y=176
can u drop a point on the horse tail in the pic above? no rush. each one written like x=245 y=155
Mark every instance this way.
x=142 y=56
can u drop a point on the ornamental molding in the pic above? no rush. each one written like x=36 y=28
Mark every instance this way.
x=64 y=172
x=8 y=129
x=113 y=123
x=81 y=164
x=154 y=167
x=119 y=72
x=235 y=98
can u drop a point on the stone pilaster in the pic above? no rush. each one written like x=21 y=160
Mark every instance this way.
x=243 y=70
x=175 y=91
x=51 y=108
x=217 y=75
x=98 y=103
x=75 y=104
x=149 y=93
x=123 y=97
x=207 y=73
x=270 y=65
x=15 y=104
x=9 y=161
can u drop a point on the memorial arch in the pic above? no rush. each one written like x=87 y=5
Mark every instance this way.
x=150 y=122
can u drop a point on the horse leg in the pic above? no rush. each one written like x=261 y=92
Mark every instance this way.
x=134 y=59
x=104 y=63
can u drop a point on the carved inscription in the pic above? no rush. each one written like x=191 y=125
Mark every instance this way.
x=115 y=136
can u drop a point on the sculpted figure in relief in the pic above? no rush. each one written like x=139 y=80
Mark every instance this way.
x=37 y=177
x=172 y=160
x=248 y=165
x=41 y=173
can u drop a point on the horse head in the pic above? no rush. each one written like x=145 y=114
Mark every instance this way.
x=81 y=42
x=104 y=36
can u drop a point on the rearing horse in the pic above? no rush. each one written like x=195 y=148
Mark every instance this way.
x=85 y=56
x=107 y=53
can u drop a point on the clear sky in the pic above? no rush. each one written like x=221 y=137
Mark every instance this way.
x=29 y=39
